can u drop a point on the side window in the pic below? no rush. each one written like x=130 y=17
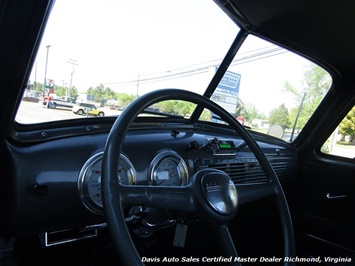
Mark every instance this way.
x=342 y=141
x=272 y=90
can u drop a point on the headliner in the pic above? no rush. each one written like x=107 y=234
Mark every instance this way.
x=320 y=29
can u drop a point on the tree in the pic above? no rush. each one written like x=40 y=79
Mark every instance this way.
x=62 y=91
x=280 y=116
x=176 y=107
x=247 y=111
x=185 y=108
x=108 y=94
x=125 y=99
x=74 y=92
x=169 y=106
x=97 y=94
x=347 y=126
x=59 y=90
x=317 y=84
x=240 y=110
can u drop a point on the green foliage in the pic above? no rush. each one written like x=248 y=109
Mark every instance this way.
x=206 y=115
x=317 y=84
x=280 y=116
x=247 y=111
x=101 y=94
x=125 y=99
x=347 y=126
x=37 y=86
x=58 y=90
x=168 y=107
x=177 y=107
x=301 y=121
x=62 y=91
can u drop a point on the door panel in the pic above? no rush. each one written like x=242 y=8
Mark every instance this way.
x=325 y=225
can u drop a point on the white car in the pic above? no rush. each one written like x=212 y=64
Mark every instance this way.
x=87 y=108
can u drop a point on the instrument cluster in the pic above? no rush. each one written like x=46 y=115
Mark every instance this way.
x=167 y=168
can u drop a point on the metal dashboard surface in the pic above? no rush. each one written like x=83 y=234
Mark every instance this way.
x=49 y=171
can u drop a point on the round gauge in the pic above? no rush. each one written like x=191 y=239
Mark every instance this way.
x=89 y=181
x=168 y=169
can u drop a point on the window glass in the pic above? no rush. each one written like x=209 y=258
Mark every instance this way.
x=342 y=140
x=277 y=90
x=111 y=52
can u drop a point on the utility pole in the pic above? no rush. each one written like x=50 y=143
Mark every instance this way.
x=298 y=114
x=66 y=93
x=45 y=73
x=139 y=75
x=73 y=63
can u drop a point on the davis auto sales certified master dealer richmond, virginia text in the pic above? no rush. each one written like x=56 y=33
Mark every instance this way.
x=248 y=259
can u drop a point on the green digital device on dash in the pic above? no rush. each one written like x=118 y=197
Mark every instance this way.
x=226 y=145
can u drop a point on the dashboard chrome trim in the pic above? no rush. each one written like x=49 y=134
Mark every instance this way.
x=92 y=202
x=181 y=168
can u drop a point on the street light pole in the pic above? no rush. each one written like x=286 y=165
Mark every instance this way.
x=45 y=73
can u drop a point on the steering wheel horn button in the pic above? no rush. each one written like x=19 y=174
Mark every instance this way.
x=220 y=192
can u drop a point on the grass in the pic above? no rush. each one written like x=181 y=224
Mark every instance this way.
x=345 y=143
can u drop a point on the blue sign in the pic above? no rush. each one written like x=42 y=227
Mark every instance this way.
x=230 y=81
x=227 y=91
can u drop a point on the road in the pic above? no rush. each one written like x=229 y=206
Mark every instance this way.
x=343 y=151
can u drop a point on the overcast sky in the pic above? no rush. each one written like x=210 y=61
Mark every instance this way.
x=114 y=42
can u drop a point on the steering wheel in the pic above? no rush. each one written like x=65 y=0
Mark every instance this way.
x=218 y=205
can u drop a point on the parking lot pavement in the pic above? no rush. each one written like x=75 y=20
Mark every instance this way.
x=30 y=112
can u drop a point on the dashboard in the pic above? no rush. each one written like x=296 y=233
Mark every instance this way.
x=59 y=181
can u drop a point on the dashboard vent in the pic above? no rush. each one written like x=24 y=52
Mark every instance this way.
x=243 y=172
x=250 y=171
x=285 y=167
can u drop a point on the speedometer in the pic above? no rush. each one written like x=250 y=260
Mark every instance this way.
x=89 y=181
x=168 y=169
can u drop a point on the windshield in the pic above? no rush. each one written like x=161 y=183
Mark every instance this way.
x=96 y=58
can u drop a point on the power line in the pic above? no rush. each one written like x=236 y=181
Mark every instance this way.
x=213 y=63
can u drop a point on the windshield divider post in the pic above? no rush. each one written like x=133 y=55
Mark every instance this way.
x=227 y=60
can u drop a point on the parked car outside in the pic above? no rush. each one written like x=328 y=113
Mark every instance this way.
x=61 y=102
x=87 y=108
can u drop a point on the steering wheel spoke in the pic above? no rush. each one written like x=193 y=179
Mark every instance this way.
x=226 y=240
x=178 y=198
x=210 y=192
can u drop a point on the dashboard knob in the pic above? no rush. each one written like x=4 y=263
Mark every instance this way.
x=194 y=145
